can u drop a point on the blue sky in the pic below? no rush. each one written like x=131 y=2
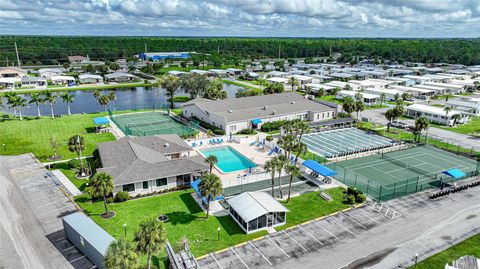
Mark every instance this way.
x=311 y=18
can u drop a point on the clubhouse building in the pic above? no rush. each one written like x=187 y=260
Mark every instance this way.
x=141 y=165
x=234 y=115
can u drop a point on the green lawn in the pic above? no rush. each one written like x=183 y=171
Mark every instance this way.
x=32 y=135
x=470 y=246
x=70 y=174
x=472 y=126
x=329 y=98
x=236 y=83
x=185 y=219
x=311 y=206
x=312 y=156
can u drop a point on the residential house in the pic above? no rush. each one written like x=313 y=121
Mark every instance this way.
x=119 y=77
x=90 y=79
x=435 y=114
x=12 y=72
x=151 y=163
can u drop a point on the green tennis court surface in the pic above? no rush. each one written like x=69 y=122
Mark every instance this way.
x=151 y=123
x=401 y=172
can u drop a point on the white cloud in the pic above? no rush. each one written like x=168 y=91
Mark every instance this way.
x=400 y=18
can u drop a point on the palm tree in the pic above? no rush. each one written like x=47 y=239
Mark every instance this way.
x=171 y=84
x=302 y=127
x=321 y=92
x=406 y=96
x=281 y=162
x=383 y=96
x=19 y=102
x=271 y=166
x=389 y=115
x=456 y=118
x=104 y=100
x=421 y=124
x=36 y=98
x=287 y=142
x=359 y=107
x=211 y=160
x=77 y=144
x=68 y=99
x=348 y=105
x=51 y=99
x=121 y=255
x=447 y=110
x=447 y=95
x=292 y=170
x=112 y=96
x=210 y=187
x=101 y=185
x=151 y=238
x=292 y=82
x=262 y=82
x=96 y=93
x=11 y=96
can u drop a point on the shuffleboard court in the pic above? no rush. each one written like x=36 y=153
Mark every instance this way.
x=402 y=172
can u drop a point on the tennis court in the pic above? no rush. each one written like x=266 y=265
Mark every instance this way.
x=402 y=172
x=151 y=123
x=341 y=142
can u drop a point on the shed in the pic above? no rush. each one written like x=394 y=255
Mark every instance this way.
x=255 y=211
x=88 y=237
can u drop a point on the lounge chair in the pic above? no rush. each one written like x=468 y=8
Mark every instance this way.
x=219 y=141
x=271 y=152
x=194 y=144
x=201 y=143
x=253 y=143
x=258 y=144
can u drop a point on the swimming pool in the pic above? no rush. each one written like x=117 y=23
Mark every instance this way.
x=229 y=160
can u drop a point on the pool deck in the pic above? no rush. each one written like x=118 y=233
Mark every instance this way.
x=258 y=155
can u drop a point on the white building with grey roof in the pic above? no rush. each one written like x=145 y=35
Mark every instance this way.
x=234 y=115
x=152 y=163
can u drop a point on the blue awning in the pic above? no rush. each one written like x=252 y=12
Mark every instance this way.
x=455 y=173
x=101 y=120
x=318 y=168
x=195 y=185
x=257 y=121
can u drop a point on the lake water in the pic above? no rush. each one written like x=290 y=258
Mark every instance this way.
x=127 y=98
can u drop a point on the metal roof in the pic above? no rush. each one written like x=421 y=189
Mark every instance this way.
x=90 y=231
x=251 y=205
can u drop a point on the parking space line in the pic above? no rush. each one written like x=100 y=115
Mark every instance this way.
x=57 y=209
x=278 y=247
x=341 y=225
x=74 y=260
x=52 y=220
x=45 y=197
x=39 y=190
x=211 y=254
x=295 y=241
x=68 y=248
x=239 y=258
x=251 y=244
x=303 y=229
x=60 y=239
x=318 y=224
x=359 y=211
x=46 y=204
x=352 y=219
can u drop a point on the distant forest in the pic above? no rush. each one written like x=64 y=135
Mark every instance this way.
x=55 y=49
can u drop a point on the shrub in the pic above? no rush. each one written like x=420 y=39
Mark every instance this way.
x=110 y=200
x=122 y=196
x=269 y=138
x=353 y=191
x=247 y=132
x=360 y=198
x=272 y=126
x=349 y=199
x=209 y=126
x=74 y=164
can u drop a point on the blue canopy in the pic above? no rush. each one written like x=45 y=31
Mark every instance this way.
x=257 y=121
x=101 y=120
x=455 y=173
x=195 y=186
x=318 y=168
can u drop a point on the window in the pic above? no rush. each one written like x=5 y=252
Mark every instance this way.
x=145 y=185
x=233 y=128
x=129 y=187
x=161 y=182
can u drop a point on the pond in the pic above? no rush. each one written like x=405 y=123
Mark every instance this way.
x=127 y=98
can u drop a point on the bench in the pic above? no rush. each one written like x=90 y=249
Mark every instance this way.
x=325 y=196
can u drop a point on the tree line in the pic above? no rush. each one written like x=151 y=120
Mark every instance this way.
x=55 y=49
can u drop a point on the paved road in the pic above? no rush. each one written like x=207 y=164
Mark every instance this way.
x=378 y=116
x=425 y=228
x=23 y=233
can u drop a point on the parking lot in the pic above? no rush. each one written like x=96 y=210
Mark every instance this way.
x=292 y=243
x=334 y=232
x=47 y=201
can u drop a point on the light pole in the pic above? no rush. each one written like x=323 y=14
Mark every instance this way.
x=218 y=234
x=416 y=259
x=125 y=229
x=4 y=147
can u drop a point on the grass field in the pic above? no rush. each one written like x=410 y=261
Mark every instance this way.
x=470 y=246
x=472 y=126
x=60 y=88
x=32 y=135
x=186 y=219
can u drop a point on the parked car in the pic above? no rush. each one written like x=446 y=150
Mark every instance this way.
x=398 y=124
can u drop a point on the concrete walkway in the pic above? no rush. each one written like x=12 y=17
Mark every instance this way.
x=72 y=189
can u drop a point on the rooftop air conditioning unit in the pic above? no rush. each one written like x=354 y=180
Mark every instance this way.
x=264 y=107
x=230 y=111
x=166 y=145
x=293 y=102
x=274 y=112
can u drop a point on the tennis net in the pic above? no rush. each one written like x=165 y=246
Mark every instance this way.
x=406 y=165
x=150 y=123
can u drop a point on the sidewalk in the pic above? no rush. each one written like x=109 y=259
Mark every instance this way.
x=72 y=189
